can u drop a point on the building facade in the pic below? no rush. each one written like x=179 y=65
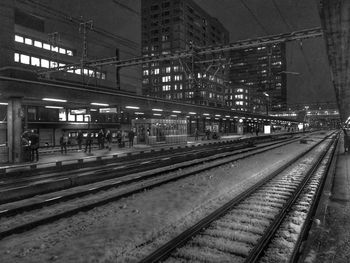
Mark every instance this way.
x=257 y=79
x=178 y=25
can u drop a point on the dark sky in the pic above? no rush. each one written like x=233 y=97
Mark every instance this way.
x=313 y=84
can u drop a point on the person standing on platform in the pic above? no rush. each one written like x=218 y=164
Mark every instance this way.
x=64 y=142
x=346 y=139
x=100 y=139
x=34 y=146
x=131 y=136
x=257 y=131
x=79 y=139
x=88 y=142
x=109 y=139
x=196 y=134
x=119 y=139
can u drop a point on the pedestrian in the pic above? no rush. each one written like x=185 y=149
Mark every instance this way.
x=88 y=142
x=131 y=136
x=100 y=139
x=196 y=134
x=257 y=131
x=64 y=142
x=119 y=139
x=34 y=145
x=207 y=134
x=109 y=139
x=346 y=140
x=79 y=139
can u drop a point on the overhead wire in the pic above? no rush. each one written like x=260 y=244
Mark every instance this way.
x=254 y=16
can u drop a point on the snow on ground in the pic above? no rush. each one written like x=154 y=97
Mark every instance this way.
x=126 y=230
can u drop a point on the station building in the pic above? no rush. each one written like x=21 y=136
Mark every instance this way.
x=38 y=36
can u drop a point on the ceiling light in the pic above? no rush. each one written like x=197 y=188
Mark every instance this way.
x=3 y=103
x=132 y=107
x=99 y=104
x=53 y=107
x=56 y=100
x=157 y=109
x=176 y=111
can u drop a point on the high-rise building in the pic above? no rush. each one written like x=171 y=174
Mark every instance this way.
x=257 y=79
x=169 y=26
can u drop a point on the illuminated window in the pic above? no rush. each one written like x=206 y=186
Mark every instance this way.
x=145 y=72
x=166 y=78
x=46 y=46
x=54 y=49
x=19 y=39
x=28 y=41
x=78 y=71
x=62 y=50
x=35 y=62
x=178 y=77
x=156 y=71
x=71 y=117
x=69 y=52
x=62 y=115
x=45 y=63
x=25 y=59
x=80 y=117
x=167 y=69
x=16 y=58
x=38 y=44
x=53 y=64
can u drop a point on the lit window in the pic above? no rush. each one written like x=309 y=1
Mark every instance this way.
x=71 y=117
x=78 y=71
x=16 y=57
x=19 y=39
x=54 y=49
x=53 y=64
x=62 y=50
x=156 y=71
x=167 y=69
x=176 y=68
x=178 y=77
x=28 y=41
x=38 y=44
x=86 y=72
x=46 y=46
x=166 y=78
x=103 y=76
x=145 y=72
x=69 y=52
x=80 y=117
x=91 y=73
x=25 y=59
x=35 y=62
x=62 y=115
x=45 y=63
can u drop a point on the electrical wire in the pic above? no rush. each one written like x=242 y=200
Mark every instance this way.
x=254 y=16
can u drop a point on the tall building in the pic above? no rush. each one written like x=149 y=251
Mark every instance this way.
x=169 y=26
x=257 y=79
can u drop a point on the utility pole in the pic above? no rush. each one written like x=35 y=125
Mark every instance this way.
x=83 y=29
x=53 y=39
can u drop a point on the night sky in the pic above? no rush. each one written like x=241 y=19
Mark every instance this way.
x=254 y=18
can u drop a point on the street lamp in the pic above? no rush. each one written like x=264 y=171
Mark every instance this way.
x=267 y=102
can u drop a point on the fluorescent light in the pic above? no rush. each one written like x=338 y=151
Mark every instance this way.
x=93 y=109
x=57 y=100
x=173 y=115
x=157 y=109
x=227 y=116
x=157 y=114
x=132 y=107
x=191 y=113
x=53 y=107
x=99 y=104
x=176 y=111
x=4 y=103
x=217 y=115
x=208 y=118
x=206 y=114
x=139 y=113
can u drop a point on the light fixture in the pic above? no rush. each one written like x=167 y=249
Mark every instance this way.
x=132 y=107
x=53 y=107
x=139 y=113
x=217 y=115
x=157 y=109
x=157 y=114
x=227 y=116
x=173 y=115
x=93 y=109
x=99 y=104
x=3 y=103
x=176 y=111
x=56 y=100
x=191 y=113
x=206 y=114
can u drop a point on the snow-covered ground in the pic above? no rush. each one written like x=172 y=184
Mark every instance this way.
x=126 y=230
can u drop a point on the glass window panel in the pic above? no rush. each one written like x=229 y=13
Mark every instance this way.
x=71 y=117
x=87 y=118
x=38 y=44
x=103 y=76
x=69 y=52
x=46 y=46
x=78 y=71
x=86 y=72
x=62 y=115
x=16 y=57
x=45 y=63
x=19 y=39
x=25 y=59
x=53 y=64
x=80 y=117
x=35 y=62
x=28 y=41
x=54 y=49
x=62 y=50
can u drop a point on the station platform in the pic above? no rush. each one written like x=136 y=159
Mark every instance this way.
x=52 y=156
x=329 y=235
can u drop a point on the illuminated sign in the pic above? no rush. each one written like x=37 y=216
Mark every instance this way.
x=78 y=111
x=108 y=110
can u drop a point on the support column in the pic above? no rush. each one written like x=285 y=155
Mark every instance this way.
x=14 y=129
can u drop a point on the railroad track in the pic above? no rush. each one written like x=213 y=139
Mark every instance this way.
x=15 y=189
x=66 y=204
x=242 y=229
